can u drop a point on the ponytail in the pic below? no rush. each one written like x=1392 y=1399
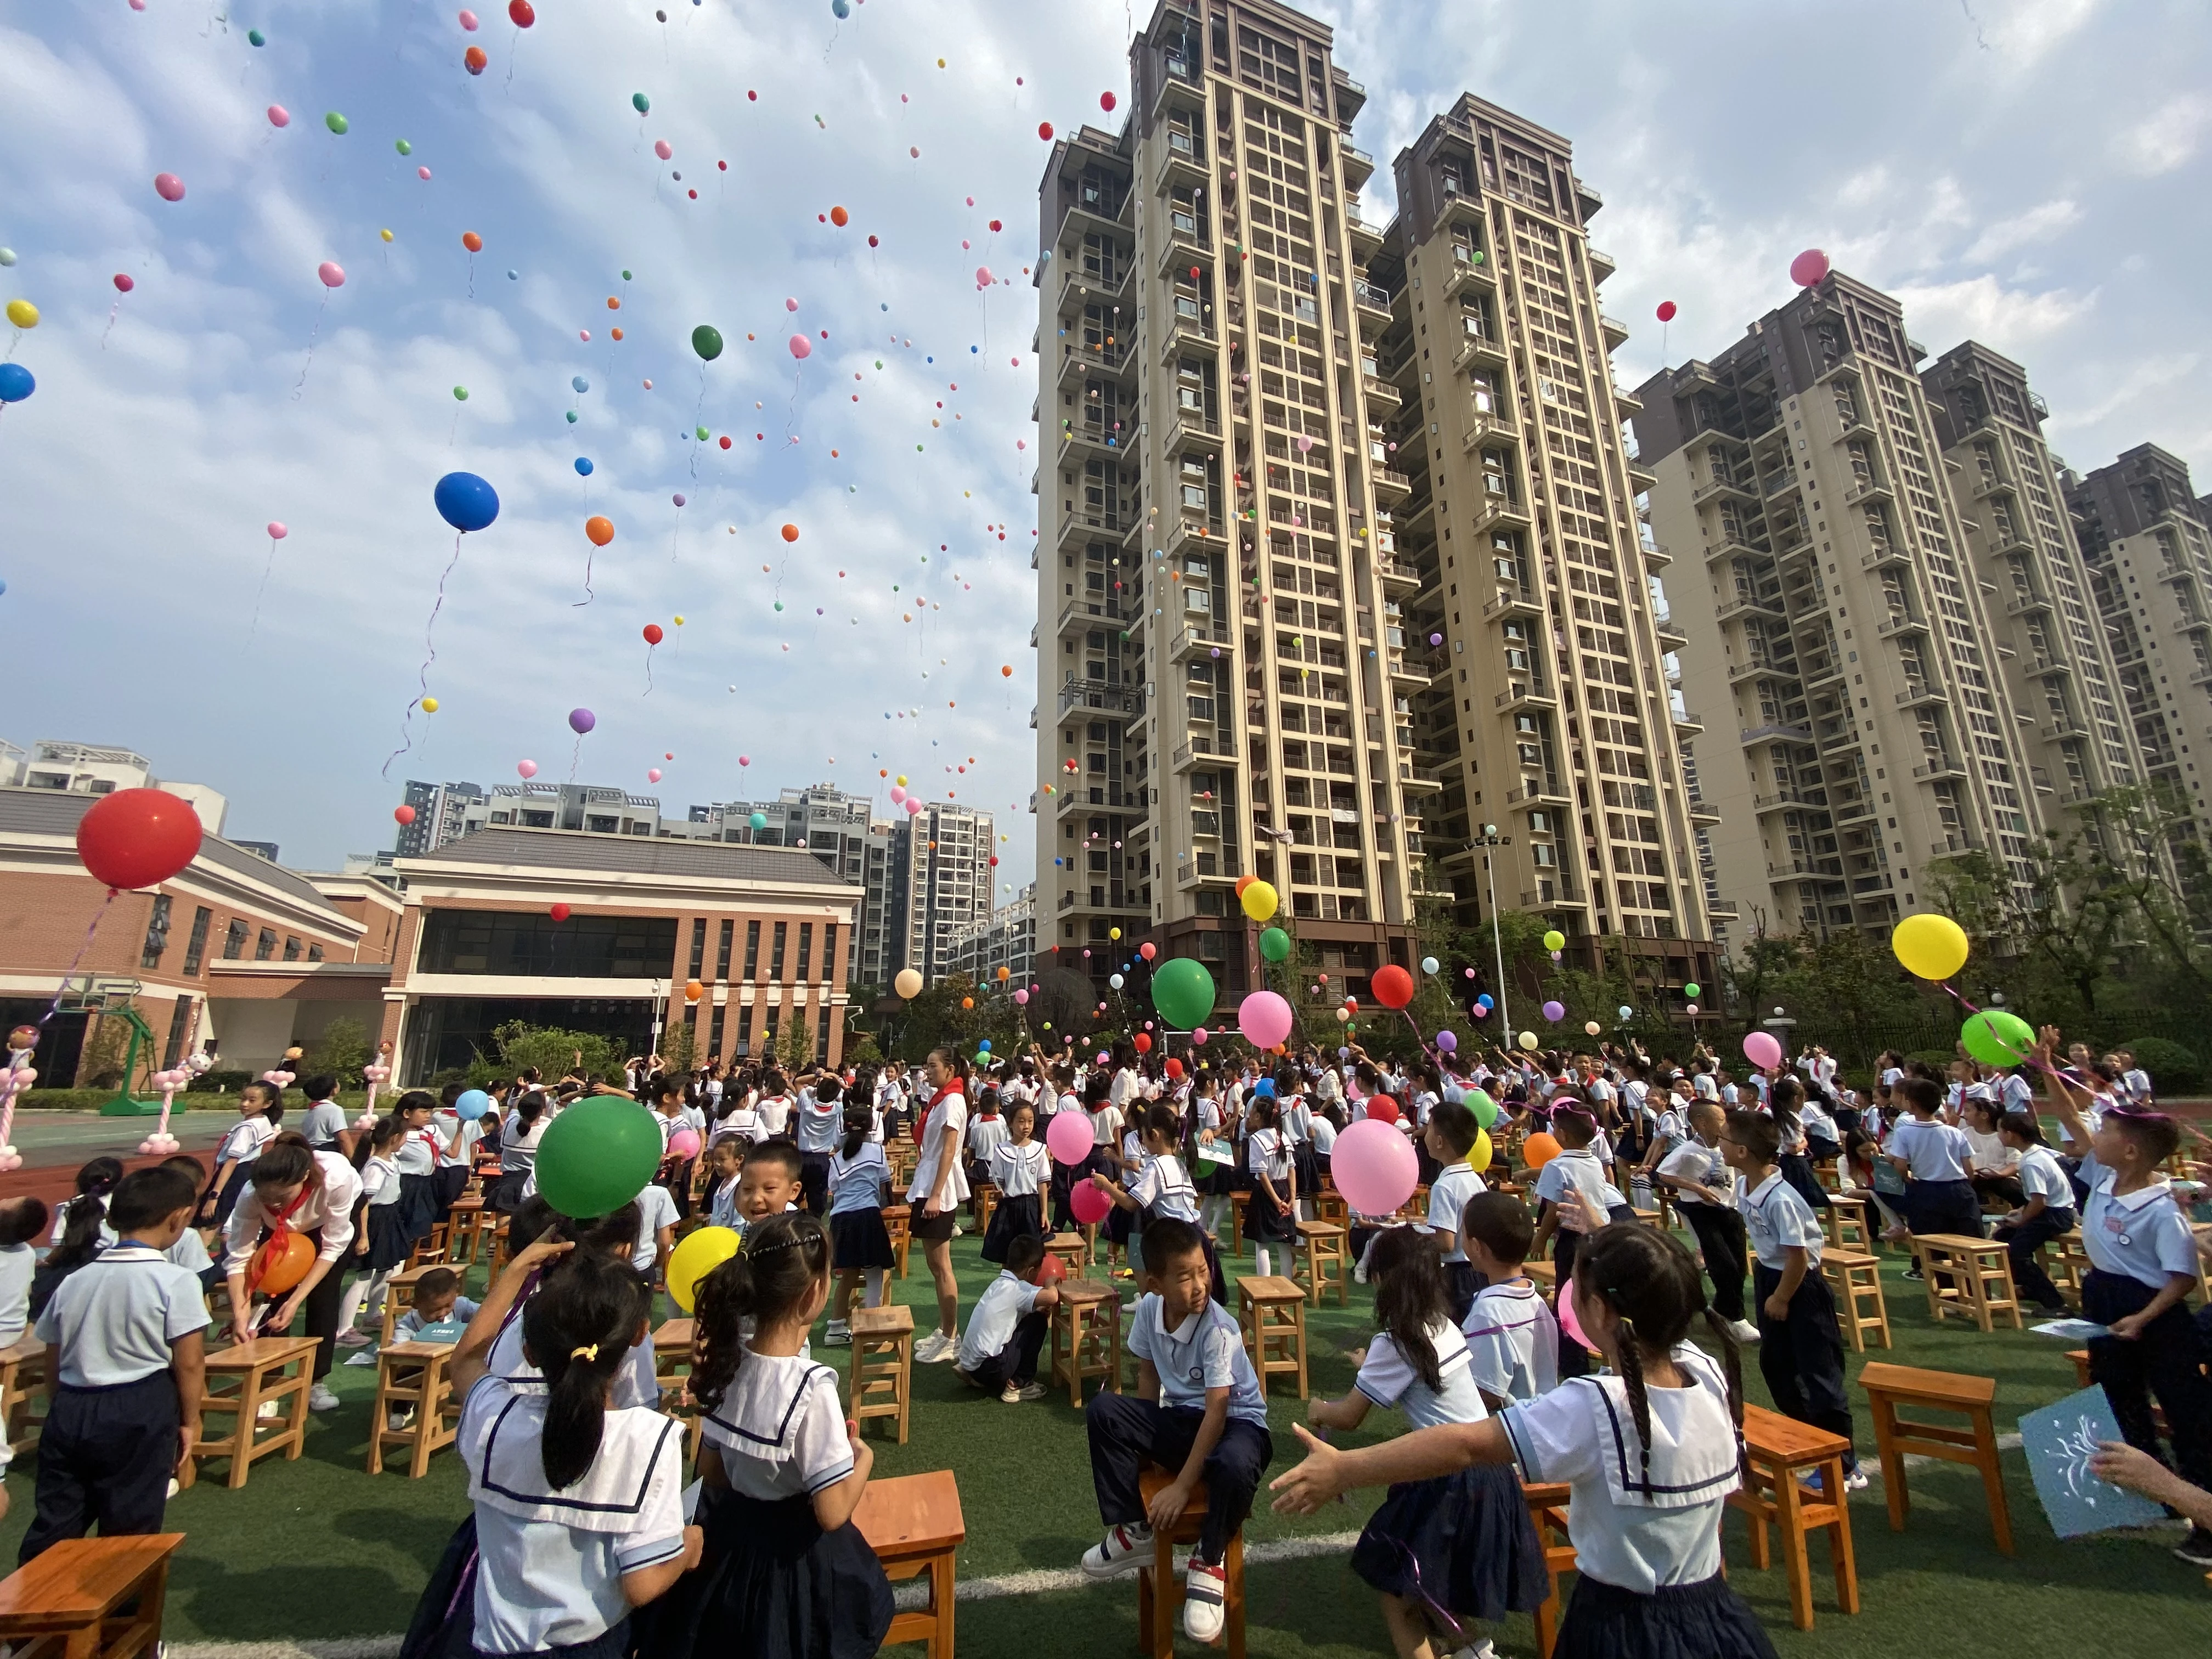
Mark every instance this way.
x=780 y=1261
x=81 y=1215
x=954 y=1063
x=579 y=1329
x=857 y=1122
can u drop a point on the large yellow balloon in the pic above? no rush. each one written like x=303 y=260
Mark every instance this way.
x=1479 y=1158
x=22 y=313
x=697 y=1255
x=1930 y=946
x=908 y=984
x=1555 y=941
x=1260 y=900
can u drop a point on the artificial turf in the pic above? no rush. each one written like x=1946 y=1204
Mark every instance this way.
x=318 y=1550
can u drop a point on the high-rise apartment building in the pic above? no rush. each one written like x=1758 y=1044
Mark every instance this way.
x=1525 y=630
x=940 y=882
x=441 y=815
x=2050 y=645
x=2147 y=544
x=843 y=832
x=1218 y=682
x=1004 y=938
x=1838 y=640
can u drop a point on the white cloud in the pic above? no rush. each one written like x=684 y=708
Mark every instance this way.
x=2167 y=136
x=1983 y=309
x=2040 y=223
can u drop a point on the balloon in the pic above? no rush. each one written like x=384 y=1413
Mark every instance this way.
x=279 y=116
x=789 y=532
x=1666 y=311
x=1022 y=997
x=652 y=775
x=470 y=1105
x=1996 y=1037
x=1539 y=1150
x=582 y=720
x=1067 y=1137
x=1375 y=1167
x=584 y=466
x=469 y=21
x=840 y=10
x=1114 y=980
x=1089 y=1204
x=336 y=122
x=838 y=216
x=429 y=705
x=331 y=273
x=1485 y=1003
x=522 y=12
x=1260 y=901
x=168 y=187
x=1429 y=965
x=16 y=383
x=1483 y=1107
x=527 y=768
x=1274 y=944
x=1627 y=1012
x=1591 y=1028
x=1243 y=882
x=1147 y=950
x=1930 y=946
x=599 y=529
x=1051 y=1270
x=1106 y=102
x=759 y=821
x=403 y=816
x=1182 y=991
x=695 y=1256
x=640 y=102
x=1555 y=941
x=471 y=241
x=1447 y=1042
x=1529 y=1040
x=1809 y=268
x=1479 y=1155
x=1173 y=1068
x=277 y=530
x=137 y=837
x=597 y=1155
x=654 y=635
x=1379 y=1108
x=577 y=383
x=1393 y=986
x=1763 y=1050
x=908 y=984
x=801 y=347
x=474 y=60
x=559 y=913
x=466 y=503
x=1555 y=1011
x=276 y=1268
x=1264 y=1017
x=1144 y=1042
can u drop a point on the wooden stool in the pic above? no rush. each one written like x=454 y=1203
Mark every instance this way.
x=1237 y=1203
x=1981 y=1274
x=429 y=1250
x=411 y=1377
x=1846 y=1220
x=914 y=1526
x=1329 y=1206
x=1323 y=1263
x=2066 y=1259
x=899 y=1222
x=1855 y=1279
x=240 y=1380
x=1888 y=1387
x=1086 y=1336
x=70 y=1594
x=987 y=1200
x=1779 y=1449
x=1547 y=1508
x=1665 y=1197
x=1274 y=1314
x=1159 y=1590
x=23 y=1377
x=880 y=1383
x=399 y=1296
x=672 y=1344
x=1070 y=1249
x=1543 y=1274
x=470 y=1222
x=500 y=1253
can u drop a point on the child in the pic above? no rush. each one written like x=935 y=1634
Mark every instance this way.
x=1214 y=1151
x=21 y=1221
x=77 y=1230
x=1996 y=1161
x=859 y=1183
x=1573 y=1167
x=784 y=1571
x=380 y=1246
x=1800 y=1352
x=1020 y=1170
x=1700 y=1174
x=124 y=1372
x=656 y=1231
x=725 y=1164
x=2047 y=1208
x=1450 y=1139
x=417 y=1157
x=665 y=1095
x=774 y=1105
x=1645 y=1517
x=1788 y=1098
x=1462 y=1544
x=292 y=1191
x=1937 y=1163
x=987 y=1133
x=999 y=1350
x=1512 y=1339
x=260 y=1110
x=561 y=1242
x=1197 y=1410
x=324 y=1126
x=821 y=1124
x=438 y=1298
x=771 y=1184
x=2143 y=1264
x=1268 y=1210
x=1160 y=1189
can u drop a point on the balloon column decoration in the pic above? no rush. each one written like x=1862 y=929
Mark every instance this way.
x=161 y=1143
x=22 y=1046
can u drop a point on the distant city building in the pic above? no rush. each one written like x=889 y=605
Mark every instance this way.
x=1004 y=938
x=940 y=881
x=843 y=831
x=442 y=812
x=595 y=809
x=91 y=768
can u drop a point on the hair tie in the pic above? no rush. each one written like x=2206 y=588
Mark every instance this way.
x=588 y=1353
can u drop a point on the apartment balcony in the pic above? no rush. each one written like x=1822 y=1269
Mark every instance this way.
x=1082 y=289
x=1080 y=365
x=1614 y=330
x=1488 y=429
x=1629 y=403
x=1188 y=334
x=1406 y=671
x=2066 y=725
x=1422 y=779
x=1897 y=625
x=1992 y=481
x=1714 y=489
x=1365 y=236
x=1406 y=574
x=1869 y=490
x=1642 y=479
x=1180 y=167
x=1688 y=723
x=1729 y=548
x=1512 y=604
x=1703 y=812
x=1201 y=639
x=1083 y=441
x=1885 y=553
x=1501 y=511
x=1776 y=732
x=1382 y=392
x=2022 y=605
x=1474 y=275
x=1480 y=348
x=1671 y=637
x=1917 y=694
x=1182 y=87
x=1602 y=265
x=1090 y=219
x=1082 y=614
x=1787 y=800
x=1534 y=793
x=1371 y=302
x=1750 y=605
x=1359 y=165
x=1180 y=249
x=1795 y=869
x=1657 y=555
x=1940 y=766
x=1850 y=809
x=1196 y=430
x=1390 y=483
x=1854 y=425
x=1123 y=700
x=1211 y=753
x=1518 y=696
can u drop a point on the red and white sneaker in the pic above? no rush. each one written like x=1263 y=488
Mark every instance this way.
x=1205 y=1587
x=1123 y=1549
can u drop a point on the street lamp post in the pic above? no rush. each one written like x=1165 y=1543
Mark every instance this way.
x=1488 y=839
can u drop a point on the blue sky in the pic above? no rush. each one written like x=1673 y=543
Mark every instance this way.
x=2019 y=172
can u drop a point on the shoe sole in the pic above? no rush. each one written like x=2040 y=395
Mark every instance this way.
x=1127 y=1564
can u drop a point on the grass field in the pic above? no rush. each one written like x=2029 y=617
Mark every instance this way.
x=317 y=1549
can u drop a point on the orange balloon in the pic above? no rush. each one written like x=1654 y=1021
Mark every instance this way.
x=476 y=60
x=471 y=241
x=967 y=1002
x=1539 y=1150
x=839 y=217
x=600 y=530
x=616 y=332
x=273 y=1271
x=1005 y=972
x=693 y=990
x=613 y=303
x=1243 y=882
x=791 y=533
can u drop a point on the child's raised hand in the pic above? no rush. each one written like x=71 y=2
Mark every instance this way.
x=1358 y=1357
x=538 y=1252
x=1313 y=1481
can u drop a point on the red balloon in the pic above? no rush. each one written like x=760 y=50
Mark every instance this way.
x=1144 y=1044
x=137 y=837
x=403 y=815
x=1809 y=268
x=1044 y=131
x=1090 y=1205
x=474 y=60
x=123 y=282
x=1174 y=1067
x=1666 y=311
x=522 y=12
x=1393 y=986
x=653 y=634
x=559 y=913
x=1106 y=102
x=1382 y=1108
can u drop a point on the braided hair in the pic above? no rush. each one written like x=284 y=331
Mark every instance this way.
x=1653 y=1286
x=783 y=1257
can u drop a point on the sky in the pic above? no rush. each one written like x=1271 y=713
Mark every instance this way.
x=2018 y=171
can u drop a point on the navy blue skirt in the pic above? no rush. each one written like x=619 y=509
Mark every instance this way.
x=1706 y=1620
x=1463 y=1541
x=859 y=1239
x=387 y=1238
x=1014 y=1216
x=445 y=1622
x=770 y=1584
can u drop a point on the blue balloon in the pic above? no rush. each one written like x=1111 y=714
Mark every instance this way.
x=16 y=383
x=842 y=9
x=572 y=417
x=581 y=384
x=584 y=465
x=466 y=501
x=513 y=276
x=1265 y=1088
x=471 y=1104
x=3 y=587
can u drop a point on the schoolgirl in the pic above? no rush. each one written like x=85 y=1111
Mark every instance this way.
x=739 y=1118
x=1296 y=1123
x=1787 y=1100
x=518 y=1150
x=860 y=1182
x=987 y=1133
x=1212 y=1150
x=1020 y=1169
x=1269 y=1210
x=1095 y=1102
x=1453 y=1549
x=1161 y=1190
x=77 y=1236
x=418 y=1157
x=774 y=1105
x=379 y=1246
x=260 y=1110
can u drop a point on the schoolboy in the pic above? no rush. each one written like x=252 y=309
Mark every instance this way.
x=1512 y=1339
x=772 y=1183
x=1937 y=1161
x=1197 y=1410
x=999 y=1350
x=1574 y=1167
x=2045 y=1212
x=437 y=1299
x=1450 y=1137
x=1706 y=1199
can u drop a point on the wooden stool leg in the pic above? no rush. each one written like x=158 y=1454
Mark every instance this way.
x=1791 y=1522
x=1233 y=1594
x=1892 y=1462
x=1841 y=1553
x=942 y=1601
x=1986 y=1456
x=1163 y=1596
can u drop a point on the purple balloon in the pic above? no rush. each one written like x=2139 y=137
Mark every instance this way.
x=1447 y=1042
x=582 y=720
x=1436 y=639
x=677 y=498
x=1555 y=1011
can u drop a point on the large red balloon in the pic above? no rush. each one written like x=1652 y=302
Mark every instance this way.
x=1809 y=268
x=1666 y=311
x=1382 y=1108
x=1144 y=1042
x=653 y=634
x=138 y=838
x=1393 y=986
x=522 y=12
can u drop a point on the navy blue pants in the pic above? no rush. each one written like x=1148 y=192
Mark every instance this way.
x=1801 y=1355
x=1722 y=1239
x=1016 y=1361
x=105 y=1459
x=1943 y=1207
x=1126 y=1433
x=2022 y=1241
x=2163 y=1360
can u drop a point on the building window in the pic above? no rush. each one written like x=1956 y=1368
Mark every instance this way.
x=314 y=953
x=698 y=945
x=722 y=949
x=531 y=943
x=157 y=934
x=196 y=946
x=265 y=945
x=829 y=951
x=233 y=943
x=805 y=950
x=752 y=949
x=822 y=1036
x=715 y=1033
x=180 y=1022
x=775 y=951
x=291 y=948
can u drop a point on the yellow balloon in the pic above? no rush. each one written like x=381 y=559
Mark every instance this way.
x=1930 y=946
x=901 y=779
x=1529 y=1040
x=1113 y=933
x=698 y=1254
x=679 y=621
x=429 y=705
x=22 y=313
x=1555 y=941
x=386 y=234
x=1260 y=901
x=908 y=984
x=1479 y=1158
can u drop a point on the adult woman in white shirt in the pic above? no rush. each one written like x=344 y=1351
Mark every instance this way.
x=290 y=1190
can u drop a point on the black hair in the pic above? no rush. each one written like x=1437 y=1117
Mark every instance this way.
x=436 y=1283
x=784 y=1257
x=579 y=1329
x=1453 y=1121
x=954 y=1062
x=1655 y=1287
x=146 y=1197
x=1023 y=1252
x=1267 y=1108
x=21 y=1220
x=1166 y=1239
x=415 y=1100
x=1097 y=1089
x=1501 y=1224
x=532 y=1219
x=283 y=1164
x=1163 y=1121
x=81 y=1215
x=1411 y=1296
x=828 y=1089
x=1019 y=1105
x=780 y=1149
x=667 y=1084
x=1921 y=1094
x=2153 y=1134
x=320 y=1087
x=1570 y=1112
x=530 y=1107
x=987 y=1101
x=1783 y=1099
x=1755 y=1132
x=450 y=1093
x=859 y=1122
x=190 y=1166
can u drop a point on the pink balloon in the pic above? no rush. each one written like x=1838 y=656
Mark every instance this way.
x=1809 y=268
x=168 y=187
x=1763 y=1049
x=1198 y=1033
x=913 y=805
x=982 y=275
x=1570 y=1327
x=1264 y=1019
x=1067 y=1137
x=585 y=335
x=469 y=21
x=279 y=116
x=660 y=147
x=685 y=1143
x=332 y=273
x=277 y=530
x=422 y=173
x=1022 y=997
x=1090 y=1206
x=1374 y=1166
x=790 y=305
x=123 y=283
x=652 y=775
x=801 y=347
x=898 y=794
x=527 y=768
x=744 y=760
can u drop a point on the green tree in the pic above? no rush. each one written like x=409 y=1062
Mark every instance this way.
x=341 y=1050
x=794 y=1039
x=554 y=1052
x=679 y=1043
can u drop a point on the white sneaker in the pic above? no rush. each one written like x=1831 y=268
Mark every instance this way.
x=1359 y=1274
x=320 y=1398
x=1744 y=1330
x=1855 y=1479
x=268 y=1411
x=937 y=1348
x=1205 y=1588
x=839 y=1335
x=1123 y=1549
x=365 y=1357
x=1010 y=1394
x=957 y=1230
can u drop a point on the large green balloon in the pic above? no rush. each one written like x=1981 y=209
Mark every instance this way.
x=1182 y=991
x=597 y=1155
x=1274 y=945
x=336 y=122
x=707 y=341
x=1997 y=1038
x=1483 y=1107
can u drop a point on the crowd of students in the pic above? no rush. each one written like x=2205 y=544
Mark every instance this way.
x=582 y=1538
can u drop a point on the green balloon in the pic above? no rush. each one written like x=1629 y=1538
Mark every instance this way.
x=1691 y=991
x=572 y=417
x=640 y=102
x=336 y=122
x=1182 y=991
x=707 y=341
x=401 y=145
x=461 y=394
x=256 y=38
x=1997 y=1038
x=1275 y=945
x=597 y=1155
x=625 y=276
x=1483 y=1107
x=701 y=431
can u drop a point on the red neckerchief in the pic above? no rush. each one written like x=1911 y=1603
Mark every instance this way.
x=275 y=1248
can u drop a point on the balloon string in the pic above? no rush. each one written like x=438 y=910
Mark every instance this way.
x=429 y=645
x=69 y=972
x=312 y=334
x=110 y=329
x=588 y=595
x=263 y=589
x=2031 y=1058
x=649 y=673
x=575 y=756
